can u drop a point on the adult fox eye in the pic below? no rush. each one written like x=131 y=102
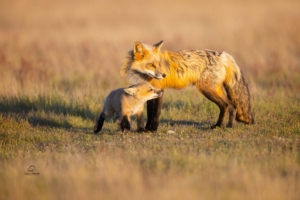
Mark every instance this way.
x=150 y=65
x=150 y=90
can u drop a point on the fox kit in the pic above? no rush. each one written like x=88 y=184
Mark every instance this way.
x=126 y=102
x=215 y=75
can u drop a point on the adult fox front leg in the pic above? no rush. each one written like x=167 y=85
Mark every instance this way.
x=153 y=112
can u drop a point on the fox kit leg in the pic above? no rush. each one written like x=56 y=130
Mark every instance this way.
x=125 y=123
x=140 y=120
x=99 y=123
x=153 y=113
x=225 y=105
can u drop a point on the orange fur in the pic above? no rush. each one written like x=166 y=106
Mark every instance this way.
x=125 y=102
x=212 y=72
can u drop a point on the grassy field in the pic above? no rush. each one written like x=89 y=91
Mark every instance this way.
x=59 y=60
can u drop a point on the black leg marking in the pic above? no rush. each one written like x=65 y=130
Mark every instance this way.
x=150 y=112
x=125 y=124
x=153 y=111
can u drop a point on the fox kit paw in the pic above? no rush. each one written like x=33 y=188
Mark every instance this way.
x=141 y=129
x=125 y=131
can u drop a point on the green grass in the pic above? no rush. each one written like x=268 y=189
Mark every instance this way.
x=59 y=60
x=183 y=158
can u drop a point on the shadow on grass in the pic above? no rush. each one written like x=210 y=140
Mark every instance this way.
x=53 y=104
x=40 y=121
x=203 y=125
x=49 y=110
x=55 y=107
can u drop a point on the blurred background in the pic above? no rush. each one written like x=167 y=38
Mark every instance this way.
x=57 y=45
x=60 y=58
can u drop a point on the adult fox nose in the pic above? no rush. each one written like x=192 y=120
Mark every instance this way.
x=164 y=75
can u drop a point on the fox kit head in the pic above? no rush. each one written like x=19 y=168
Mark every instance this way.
x=146 y=60
x=143 y=91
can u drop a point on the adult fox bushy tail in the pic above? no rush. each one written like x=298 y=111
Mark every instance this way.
x=215 y=75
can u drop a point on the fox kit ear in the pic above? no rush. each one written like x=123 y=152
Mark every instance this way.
x=139 y=51
x=131 y=91
x=158 y=45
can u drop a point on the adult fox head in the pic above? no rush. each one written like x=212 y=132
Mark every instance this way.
x=143 y=91
x=146 y=60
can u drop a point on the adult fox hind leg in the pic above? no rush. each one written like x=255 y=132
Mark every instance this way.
x=153 y=112
x=225 y=105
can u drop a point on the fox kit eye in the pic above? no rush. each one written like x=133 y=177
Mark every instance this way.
x=150 y=90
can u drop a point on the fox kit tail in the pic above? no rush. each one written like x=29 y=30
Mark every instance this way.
x=237 y=90
x=99 y=123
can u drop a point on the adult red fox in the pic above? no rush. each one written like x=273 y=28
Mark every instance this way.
x=216 y=76
x=125 y=102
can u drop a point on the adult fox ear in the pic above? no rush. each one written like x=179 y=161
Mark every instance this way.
x=158 y=45
x=139 y=51
x=130 y=91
